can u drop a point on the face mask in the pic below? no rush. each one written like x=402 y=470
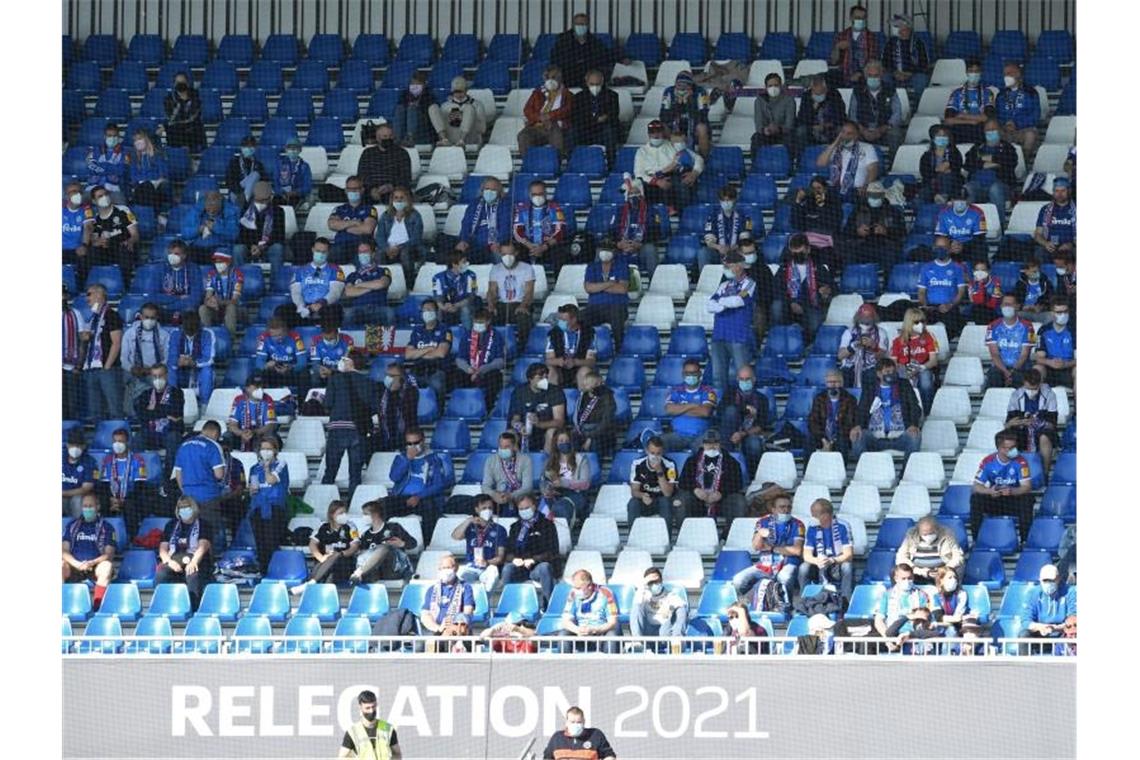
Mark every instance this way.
x=159 y=383
x=342 y=364
x=428 y=316
x=267 y=455
x=574 y=729
x=320 y=257
x=447 y=576
x=605 y=256
x=185 y=513
x=750 y=259
x=353 y=196
x=365 y=259
x=859 y=24
x=656 y=141
x=74 y=452
x=888 y=378
x=919 y=328
x=486 y=515
x=992 y=135
x=817 y=98
x=942 y=255
x=656 y=588
x=581 y=29
x=727 y=206
x=1035 y=277
x=118 y=447
x=980 y=274
x=399 y=205
x=564 y=448
x=654 y=458
x=221 y=266
x=543 y=383
x=595 y=89
x=973 y=77
x=387 y=142
x=247 y=152
x=745 y=385
x=341 y=518
x=563 y=325
x=960 y=207
x=508 y=261
x=941 y=141
x=479 y=327
x=259 y=206
x=174 y=260
x=950 y=585
x=873 y=82
x=538 y=200
x=75 y=199
x=680 y=145
x=368 y=717
x=148 y=324
x=1013 y=453
x=773 y=92
x=88 y=514
x=551 y=84
x=1049 y=587
x=874 y=202
x=416 y=89
x=692 y=380
x=833 y=392
x=1062 y=318
x=140 y=145
x=1061 y=271
x=104 y=201
x=1032 y=392
x=799 y=256
x=111 y=142
x=526 y=514
x=292 y=155
x=1008 y=311
x=928 y=538
x=257 y=394
x=389 y=381
x=490 y=196
x=182 y=86
x=1009 y=81
x=783 y=517
x=506 y=453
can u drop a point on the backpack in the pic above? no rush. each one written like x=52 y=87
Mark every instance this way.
x=398 y=622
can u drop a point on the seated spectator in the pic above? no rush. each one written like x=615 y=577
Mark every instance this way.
x=940 y=167
x=481 y=360
x=147 y=345
x=121 y=483
x=984 y=292
x=185 y=554
x=565 y=480
x=915 y=351
x=510 y=290
x=1056 y=355
x=353 y=222
x=569 y=345
x=592 y=611
x=456 y=291
x=293 y=179
x=778 y=543
x=951 y=603
x=233 y=500
x=1056 y=223
x=804 y=288
x=578 y=50
x=382 y=549
x=1010 y=340
x=99 y=345
x=540 y=229
x=537 y=411
x=317 y=286
x=449 y=602
x=181 y=282
x=253 y=417
x=281 y=357
x=853 y=48
x=78 y=222
x=757 y=270
x=79 y=473
x=711 y=484
x=400 y=233
x=888 y=416
x=861 y=347
x=820 y=116
x=607 y=283
x=1048 y=610
x=333 y=546
x=907 y=610
x=592 y=426
x=547 y=113
x=874 y=231
x=366 y=290
x=459 y=120
x=964 y=224
x=532 y=547
x=508 y=477
x=744 y=417
x=183 y=107
x=261 y=230
x=723 y=229
x=212 y=227
x=819 y=639
x=905 y=58
x=148 y=175
x=929 y=547
x=107 y=167
x=486 y=542
x=399 y=400
x=1034 y=293
x=1002 y=486
x=942 y=288
x=245 y=170
x=328 y=348
x=384 y=166
x=486 y=225
x=969 y=106
x=658 y=611
x=991 y=165
x=190 y=362
x=876 y=109
x=1032 y=415
x=667 y=170
x=774 y=115
x=851 y=163
x=832 y=417
x=1018 y=110
x=652 y=483
x=418 y=482
x=159 y=410
x=268 y=495
x=690 y=408
x=685 y=112
x=114 y=236
x=818 y=211
x=741 y=626
x=412 y=124
x=89 y=550
x=223 y=288
x=594 y=115
x=428 y=351
x=828 y=554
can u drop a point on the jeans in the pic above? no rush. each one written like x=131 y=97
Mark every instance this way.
x=488 y=575
x=268 y=533
x=810 y=573
x=810 y=320
x=752 y=446
x=744 y=580
x=204 y=376
x=369 y=314
x=997 y=193
x=339 y=441
x=1020 y=508
x=643 y=623
x=662 y=506
x=542 y=574
x=275 y=254
x=925 y=382
x=941 y=184
x=995 y=378
x=194 y=583
x=649 y=257
x=411 y=123
x=675 y=441
x=72 y=394
x=907 y=443
x=719 y=353
x=569 y=505
x=104 y=392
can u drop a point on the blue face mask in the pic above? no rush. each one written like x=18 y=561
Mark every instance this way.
x=973 y=77
x=320 y=257
x=783 y=517
x=564 y=448
x=563 y=325
x=353 y=197
x=727 y=206
x=247 y=152
x=692 y=380
x=873 y=82
x=506 y=453
x=960 y=207
x=992 y=135
x=1049 y=587
x=292 y=155
x=185 y=513
x=941 y=141
x=490 y=196
x=581 y=29
x=859 y=24
x=818 y=98
x=745 y=385
x=88 y=514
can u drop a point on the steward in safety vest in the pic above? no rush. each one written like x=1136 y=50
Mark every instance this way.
x=370 y=738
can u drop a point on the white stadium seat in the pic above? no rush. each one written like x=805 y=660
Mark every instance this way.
x=938 y=332
x=655 y=310
x=910 y=500
x=427 y=566
x=828 y=468
x=555 y=301
x=319 y=496
x=777 y=467
x=650 y=534
x=1063 y=409
x=306 y=435
x=1051 y=158
x=684 y=567
x=711 y=277
x=630 y=567
x=639 y=131
x=441 y=539
x=808 y=67
x=572 y=281
x=740 y=534
x=221 y=403
x=427 y=213
x=424 y=276
x=634 y=69
x=562 y=528
x=995 y=404
x=671 y=280
x=696 y=311
x=876 y=468
x=318 y=160
x=952 y=404
x=364 y=493
x=933 y=102
x=599 y=533
x=1062 y=130
x=398 y=290
x=907 y=158
x=668 y=71
x=700 y=535
x=972 y=341
x=982 y=433
x=318 y=220
x=486 y=99
x=940 y=437
x=453 y=224
x=806 y=495
x=190 y=408
x=918 y=131
x=516 y=103
x=759 y=71
x=926 y=469
x=414 y=158
x=651 y=103
x=1023 y=218
x=414 y=526
x=993 y=220
x=842 y=309
x=965 y=371
x=966 y=467
x=738 y=130
x=298 y=467
x=948 y=72
x=861 y=500
x=378 y=468
x=612 y=500
x=450 y=160
x=494 y=161
x=585 y=559
x=506 y=131
x=857 y=528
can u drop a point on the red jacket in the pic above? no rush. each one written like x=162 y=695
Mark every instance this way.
x=560 y=117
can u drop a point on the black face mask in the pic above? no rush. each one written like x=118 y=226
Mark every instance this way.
x=387 y=143
x=182 y=87
x=833 y=392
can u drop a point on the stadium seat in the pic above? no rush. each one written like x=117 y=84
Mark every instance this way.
x=103 y=49
x=373 y=48
x=266 y=75
x=129 y=76
x=826 y=468
x=780 y=46
x=321 y=601
x=880 y=562
x=715 y=599
x=369 y=600
x=599 y=534
x=282 y=48
x=138 y=567
x=506 y=48
x=1060 y=501
x=1009 y=45
x=253 y=634
x=806 y=495
x=689 y=47
x=925 y=469
x=193 y=49
x=416 y=48
x=203 y=634
x=103 y=634
x=1064 y=470
x=220 y=600
x=1029 y=564
x=587 y=160
x=999 y=534
x=862 y=501
x=650 y=534
x=250 y=104
x=121 y=600
x=351 y=634
x=962 y=44
x=1045 y=533
x=910 y=500
x=271 y=597
x=700 y=535
x=866 y=600
x=465 y=403
x=892 y=531
x=777 y=467
x=76 y=602
x=170 y=600
x=785 y=341
x=656 y=311
x=585 y=559
x=877 y=468
x=965 y=371
x=326 y=48
x=288 y=567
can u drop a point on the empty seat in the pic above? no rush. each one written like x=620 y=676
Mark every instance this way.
x=877 y=468
x=910 y=500
x=321 y=601
x=806 y=495
x=650 y=534
x=861 y=500
x=892 y=531
x=600 y=534
x=966 y=466
x=925 y=469
x=700 y=535
x=777 y=467
x=826 y=467
x=220 y=600
x=170 y=600
x=999 y=534
x=684 y=567
x=585 y=559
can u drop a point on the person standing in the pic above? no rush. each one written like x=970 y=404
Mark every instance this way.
x=370 y=738
x=607 y=283
x=200 y=470
x=732 y=305
x=510 y=290
x=577 y=742
x=349 y=400
x=577 y=50
x=73 y=350
x=268 y=507
x=103 y=336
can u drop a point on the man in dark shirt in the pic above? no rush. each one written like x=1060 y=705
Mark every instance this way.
x=384 y=166
x=532 y=547
x=114 y=236
x=160 y=411
x=576 y=51
x=594 y=114
x=652 y=481
x=396 y=409
x=349 y=401
x=711 y=483
x=577 y=742
x=353 y=222
x=261 y=230
x=537 y=411
x=244 y=171
x=744 y=416
x=831 y=417
x=382 y=549
x=99 y=363
x=874 y=231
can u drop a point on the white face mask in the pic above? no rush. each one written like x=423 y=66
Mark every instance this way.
x=774 y=92
x=508 y=261
x=148 y=324
x=750 y=259
x=257 y=394
x=595 y=89
x=174 y=260
x=1009 y=81
x=980 y=274
x=364 y=258
x=74 y=452
x=950 y=585
x=604 y=256
x=486 y=515
x=928 y=538
x=543 y=383
x=447 y=575
x=159 y=383
x=575 y=729
x=479 y=327
x=221 y=266
x=341 y=518
x=538 y=200
x=104 y=201
x=75 y=199
x=656 y=141
x=1008 y=312
x=919 y=328
x=267 y=455
x=428 y=316
x=119 y=447
x=874 y=202
x=1062 y=318
x=259 y=205
x=526 y=514
x=552 y=84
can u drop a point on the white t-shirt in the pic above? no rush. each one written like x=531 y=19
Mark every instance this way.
x=399 y=233
x=511 y=283
x=867 y=156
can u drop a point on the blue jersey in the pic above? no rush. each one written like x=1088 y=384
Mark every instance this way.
x=941 y=282
x=995 y=473
x=1021 y=106
x=286 y=349
x=1010 y=339
x=422 y=476
x=106 y=167
x=961 y=228
x=326 y=354
x=74 y=220
x=79 y=472
x=1059 y=222
x=1057 y=344
x=370 y=273
x=595 y=610
x=452 y=287
x=727 y=228
x=196 y=460
x=316 y=281
x=119 y=473
x=780 y=534
x=970 y=100
x=250 y=415
x=292 y=177
x=733 y=324
x=487 y=541
x=425 y=337
x=619 y=272
x=485 y=223
x=1052 y=610
x=687 y=425
x=87 y=540
x=440 y=596
x=357 y=214
x=268 y=497
x=828 y=542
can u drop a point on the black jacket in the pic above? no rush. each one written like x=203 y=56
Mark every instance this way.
x=1003 y=155
x=576 y=59
x=807 y=216
x=912 y=411
x=927 y=163
x=349 y=397
x=541 y=542
x=585 y=342
x=234 y=173
x=384 y=167
x=886 y=214
x=583 y=106
x=731 y=478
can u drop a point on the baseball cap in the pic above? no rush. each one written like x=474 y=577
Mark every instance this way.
x=877 y=188
x=712 y=435
x=459 y=84
x=222 y=256
x=656 y=126
x=819 y=620
x=1048 y=573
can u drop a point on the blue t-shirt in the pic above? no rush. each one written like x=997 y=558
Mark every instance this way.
x=73 y=223
x=818 y=536
x=1057 y=344
x=79 y=472
x=286 y=349
x=686 y=424
x=452 y=287
x=494 y=537
x=1060 y=222
x=1010 y=339
x=941 y=282
x=357 y=214
x=369 y=274
x=326 y=355
x=734 y=324
x=961 y=228
x=429 y=337
x=196 y=460
x=268 y=497
x=595 y=610
x=619 y=272
x=315 y=282
x=446 y=592
x=86 y=540
x=1021 y=106
x=998 y=474
x=121 y=473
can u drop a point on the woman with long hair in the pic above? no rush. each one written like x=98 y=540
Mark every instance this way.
x=915 y=351
x=566 y=479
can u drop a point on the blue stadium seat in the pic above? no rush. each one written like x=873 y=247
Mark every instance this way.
x=129 y=76
x=296 y=104
x=351 y=634
x=75 y=161
x=169 y=70
x=772 y=247
x=1064 y=470
x=238 y=369
x=956 y=501
x=780 y=46
x=729 y=562
x=77 y=602
x=619 y=470
x=693 y=218
x=862 y=279
x=558 y=600
x=627 y=372
x=427 y=411
x=489 y=436
x=879 y=564
x=69 y=53
x=962 y=43
x=520 y=598
x=494 y=76
x=814 y=371
x=892 y=531
x=412 y=597
x=287 y=566
x=785 y=341
x=473 y=470
x=716 y=596
x=827 y=339
x=773 y=160
x=653 y=402
x=203 y=634
x=178 y=163
x=735 y=46
x=103 y=634
x=327 y=49
x=251 y=104
x=542 y=161
x=194 y=49
x=1045 y=533
x=1029 y=565
x=1009 y=44
x=221 y=75
x=587 y=160
x=103 y=49
x=74 y=109
x=783 y=222
x=761 y=190
x=113 y=105
x=326 y=132
x=773 y=370
x=211 y=105
x=623 y=409
x=642 y=341
x=543 y=46
x=321 y=601
x=819 y=45
x=282 y=48
x=904 y=279
x=643 y=47
x=461 y=48
x=122 y=601
x=236 y=49
x=441 y=74
x=138 y=567
x=685 y=341
x=866 y=600
x=957 y=526
x=531 y=74
x=727 y=160
x=355 y=76
x=506 y=48
x=270 y=597
x=1060 y=501
x=369 y=600
x=683 y=248
x=1067 y=104
x=984 y=566
x=153 y=105
x=451 y=435
x=277 y=131
x=416 y=48
x=253 y=634
x=572 y=190
x=1057 y=44
x=688 y=46
x=1017 y=598
x=310 y=75
x=148 y=49
x=1043 y=71
x=109 y=277
x=171 y=600
x=372 y=48
x=597 y=223
x=670 y=371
